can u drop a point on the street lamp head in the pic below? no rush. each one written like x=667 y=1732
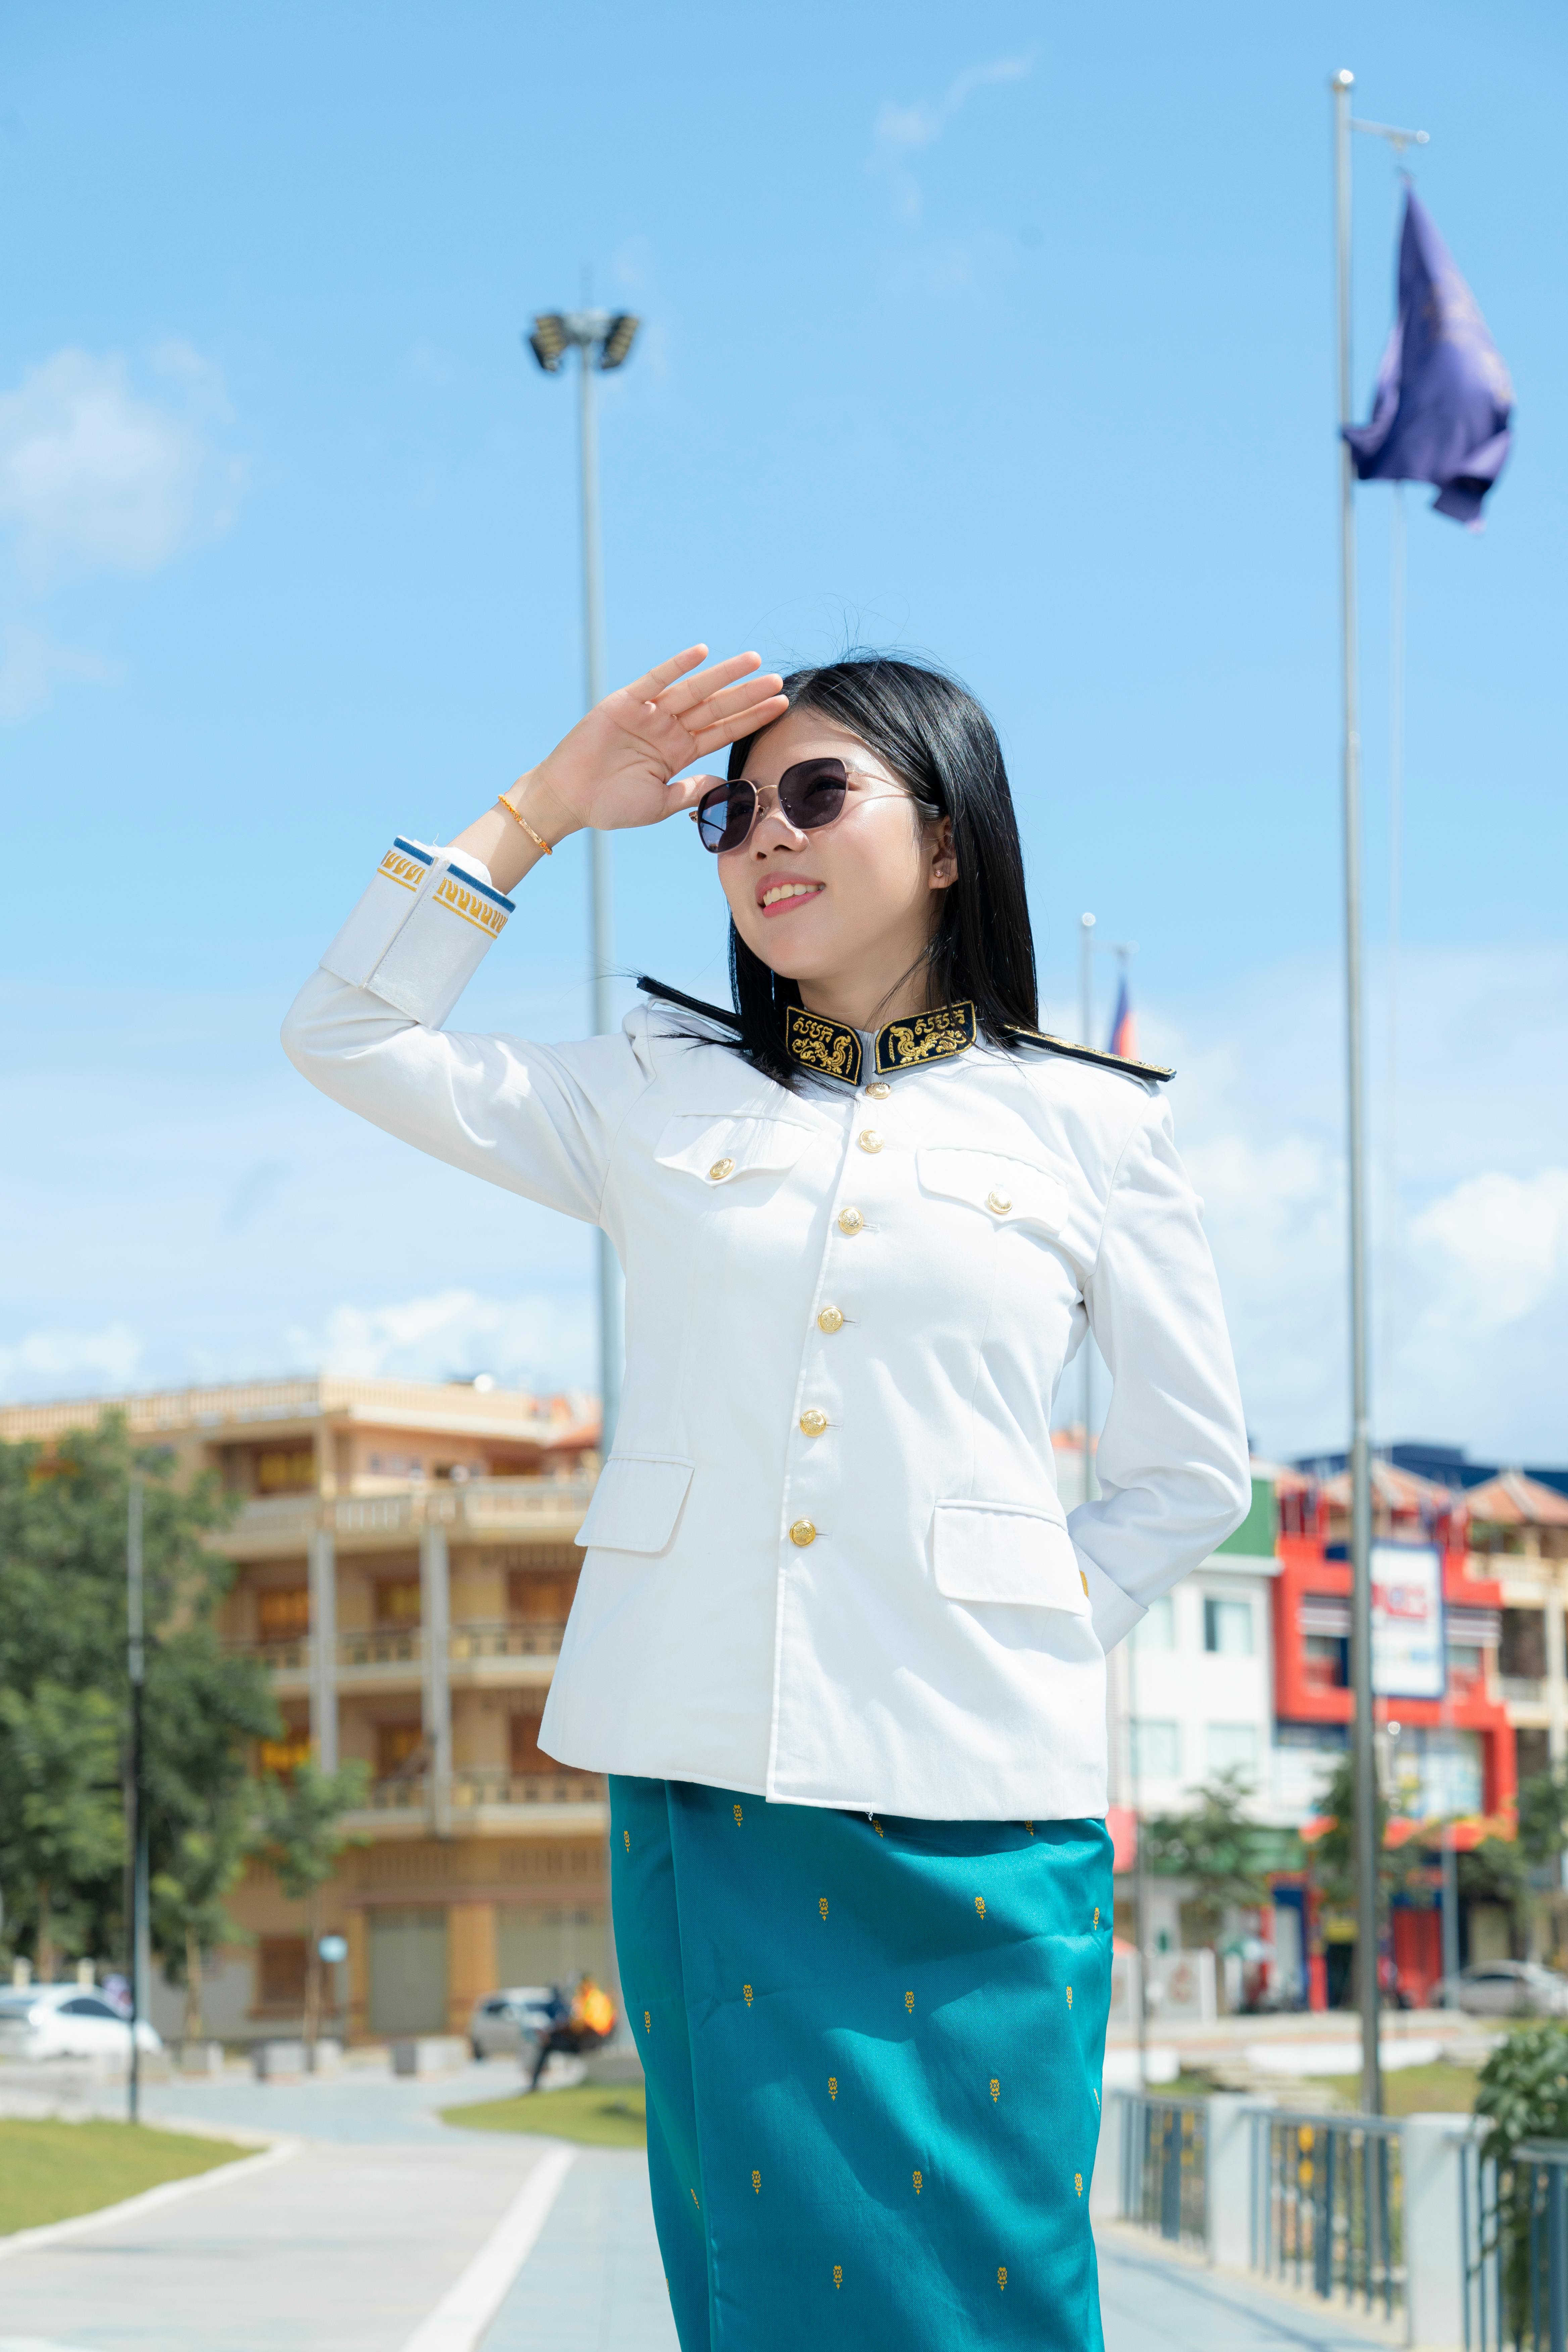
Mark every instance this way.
x=548 y=341
x=1343 y=79
x=619 y=337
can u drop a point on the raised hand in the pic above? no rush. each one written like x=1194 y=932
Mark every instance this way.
x=614 y=771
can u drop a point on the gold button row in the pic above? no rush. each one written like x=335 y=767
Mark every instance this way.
x=802 y=1533
x=868 y=1139
x=831 y=1319
x=878 y=1090
x=812 y=1421
x=850 y=1221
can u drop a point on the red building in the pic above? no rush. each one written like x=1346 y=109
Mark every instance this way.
x=1448 y=1757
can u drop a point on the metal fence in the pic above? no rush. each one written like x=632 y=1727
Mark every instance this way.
x=1329 y=2206
x=1514 y=2221
x=1164 y=2166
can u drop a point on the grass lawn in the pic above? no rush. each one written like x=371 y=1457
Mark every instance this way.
x=1437 y=2089
x=51 y=2171
x=600 y=2115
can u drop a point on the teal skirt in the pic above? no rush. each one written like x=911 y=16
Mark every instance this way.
x=873 y=2051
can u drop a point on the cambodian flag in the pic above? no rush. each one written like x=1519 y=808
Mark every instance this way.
x=1124 y=1028
x=1443 y=406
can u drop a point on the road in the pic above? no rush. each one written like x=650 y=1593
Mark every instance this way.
x=354 y=2242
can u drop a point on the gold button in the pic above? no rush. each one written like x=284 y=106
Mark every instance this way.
x=812 y=1421
x=719 y=1170
x=850 y=1221
x=999 y=1201
x=868 y=1139
x=830 y=1319
x=802 y=1533
x=878 y=1090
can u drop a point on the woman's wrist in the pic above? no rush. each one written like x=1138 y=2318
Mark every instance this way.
x=539 y=809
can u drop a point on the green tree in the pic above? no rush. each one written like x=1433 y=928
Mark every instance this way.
x=63 y=1656
x=61 y=1828
x=302 y=1837
x=1521 y=2094
x=1223 y=1854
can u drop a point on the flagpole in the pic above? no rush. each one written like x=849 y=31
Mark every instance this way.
x=1365 y=1761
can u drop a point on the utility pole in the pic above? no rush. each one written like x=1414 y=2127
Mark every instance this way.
x=603 y=340
x=136 y=1803
x=1086 y=1038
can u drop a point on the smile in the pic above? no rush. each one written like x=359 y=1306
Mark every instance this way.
x=779 y=895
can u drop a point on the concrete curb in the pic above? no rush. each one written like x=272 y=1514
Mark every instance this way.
x=467 y=2309
x=168 y=2192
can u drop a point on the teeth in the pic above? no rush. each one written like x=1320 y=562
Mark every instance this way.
x=790 y=890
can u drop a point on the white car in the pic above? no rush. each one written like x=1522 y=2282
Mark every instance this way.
x=1506 y=1989
x=510 y=2022
x=66 y=2020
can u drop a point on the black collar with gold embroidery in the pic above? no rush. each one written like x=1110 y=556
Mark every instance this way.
x=836 y=1051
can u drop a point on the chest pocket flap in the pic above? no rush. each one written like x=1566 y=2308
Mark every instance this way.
x=721 y=1150
x=635 y=1502
x=1012 y=1191
x=1011 y=1552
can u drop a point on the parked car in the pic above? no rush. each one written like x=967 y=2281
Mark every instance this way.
x=1505 y=1988
x=66 y=2020
x=506 y=2024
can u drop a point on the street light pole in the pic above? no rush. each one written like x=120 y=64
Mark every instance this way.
x=136 y=1806
x=603 y=340
x=1086 y=1038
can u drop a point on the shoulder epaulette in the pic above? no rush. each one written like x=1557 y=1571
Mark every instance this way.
x=1088 y=1054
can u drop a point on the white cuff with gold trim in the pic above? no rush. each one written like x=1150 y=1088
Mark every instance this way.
x=417 y=935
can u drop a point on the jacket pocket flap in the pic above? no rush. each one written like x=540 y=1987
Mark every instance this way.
x=635 y=1502
x=1013 y=1552
x=1013 y=1192
x=718 y=1150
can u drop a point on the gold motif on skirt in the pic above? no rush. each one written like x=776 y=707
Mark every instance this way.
x=917 y=2184
x=1070 y=1996
x=1002 y=2278
x=746 y=1995
x=822 y=1905
x=980 y=1905
x=1077 y=2182
x=838 y=2273
x=648 y=2021
x=1097 y=1914
x=995 y=2089
x=757 y=2183
x=877 y=1826
x=833 y=2086
x=736 y=1810
x=910 y=2002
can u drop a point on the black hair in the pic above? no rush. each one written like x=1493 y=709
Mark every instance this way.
x=938 y=741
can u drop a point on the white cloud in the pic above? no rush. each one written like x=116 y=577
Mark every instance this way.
x=30 y=667
x=96 y=472
x=51 y=1360
x=540 y=1339
x=902 y=131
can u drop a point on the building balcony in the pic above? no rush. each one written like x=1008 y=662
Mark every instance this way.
x=481 y=1652
x=485 y=1798
x=480 y=1509
x=1523 y=1690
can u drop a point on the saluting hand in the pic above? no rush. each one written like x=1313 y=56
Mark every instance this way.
x=614 y=771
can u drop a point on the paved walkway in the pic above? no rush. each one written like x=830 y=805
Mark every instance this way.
x=352 y=2244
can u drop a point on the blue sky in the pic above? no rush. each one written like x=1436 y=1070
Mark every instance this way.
x=1003 y=337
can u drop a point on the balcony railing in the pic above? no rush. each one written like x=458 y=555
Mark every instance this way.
x=501 y=1638
x=471 y=1790
x=292 y=1656
x=479 y=1505
x=1529 y=1690
x=384 y=1645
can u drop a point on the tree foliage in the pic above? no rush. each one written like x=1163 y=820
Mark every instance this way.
x=302 y=1836
x=1217 y=1847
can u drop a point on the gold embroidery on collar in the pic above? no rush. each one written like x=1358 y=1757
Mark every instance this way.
x=926 y=1037
x=818 y=1044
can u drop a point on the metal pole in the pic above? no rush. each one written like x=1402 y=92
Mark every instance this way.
x=1086 y=1028
x=1365 y=1761
x=1140 y=1868
x=598 y=875
x=136 y=1825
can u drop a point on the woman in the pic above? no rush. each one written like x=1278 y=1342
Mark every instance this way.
x=835 y=1640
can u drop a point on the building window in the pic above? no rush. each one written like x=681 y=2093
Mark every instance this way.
x=280 y=1972
x=1156 y=1749
x=396 y=1745
x=285 y=1472
x=1227 y=1628
x=1325 y=1662
x=1521 y=1652
x=1233 y=1748
x=282 y=1757
x=283 y=1613
x=1157 y=1631
x=398 y=1600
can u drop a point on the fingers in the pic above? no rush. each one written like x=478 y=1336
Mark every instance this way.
x=744 y=697
x=689 y=691
x=688 y=792
x=743 y=723
x=653 y=682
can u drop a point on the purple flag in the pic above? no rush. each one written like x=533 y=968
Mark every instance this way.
x=1441 y=410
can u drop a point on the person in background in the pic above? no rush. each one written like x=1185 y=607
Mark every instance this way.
x=590 y=2020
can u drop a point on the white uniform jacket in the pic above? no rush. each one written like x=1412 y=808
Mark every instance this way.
x=825 y=1560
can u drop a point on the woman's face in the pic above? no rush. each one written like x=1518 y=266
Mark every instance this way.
x=851 y=906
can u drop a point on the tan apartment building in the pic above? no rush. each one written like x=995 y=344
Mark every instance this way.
x=1519 y=1534
x=405 y=1565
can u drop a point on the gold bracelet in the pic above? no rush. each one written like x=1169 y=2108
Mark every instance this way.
x=503 y=802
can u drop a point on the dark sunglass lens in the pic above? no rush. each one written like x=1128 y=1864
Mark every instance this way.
x=724 y=817
x=811 y=794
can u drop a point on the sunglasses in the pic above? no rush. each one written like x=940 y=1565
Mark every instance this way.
x=810 y=795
